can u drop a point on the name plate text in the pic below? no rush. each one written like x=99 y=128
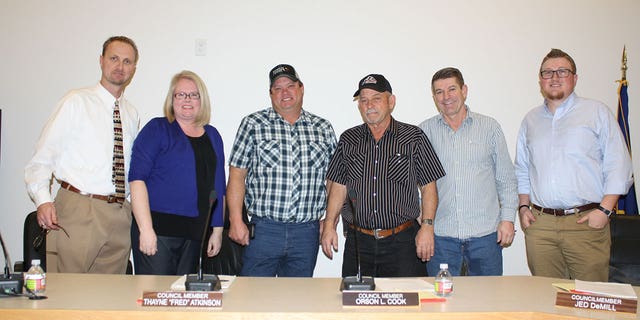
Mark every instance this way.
x=182 y=299
x=380 y=299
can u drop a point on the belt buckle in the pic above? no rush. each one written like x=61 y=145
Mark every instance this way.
x=112 y=198
x=376 y=235
x=570 y=211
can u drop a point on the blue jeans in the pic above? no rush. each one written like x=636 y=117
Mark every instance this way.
x=482 y=256
x=281 y=249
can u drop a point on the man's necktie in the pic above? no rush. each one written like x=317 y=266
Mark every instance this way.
x=118 y=155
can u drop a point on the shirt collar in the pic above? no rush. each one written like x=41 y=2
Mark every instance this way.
x=392 y=129
x=564 y=106
x=273 y=116
x=107 y=97
x=467 y=119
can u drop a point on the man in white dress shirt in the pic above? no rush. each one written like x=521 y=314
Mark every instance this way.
x=76 y=148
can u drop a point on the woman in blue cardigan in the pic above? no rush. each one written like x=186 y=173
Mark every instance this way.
x=176 y=162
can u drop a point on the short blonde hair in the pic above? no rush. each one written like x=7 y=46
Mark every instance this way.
x=204 y=115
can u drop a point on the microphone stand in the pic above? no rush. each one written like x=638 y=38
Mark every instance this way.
x=357 y=282
x=200 y=281
x=10 y=283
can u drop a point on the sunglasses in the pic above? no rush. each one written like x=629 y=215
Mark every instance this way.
x=39 y=239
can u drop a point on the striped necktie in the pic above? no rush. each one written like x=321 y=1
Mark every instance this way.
x=118 y=155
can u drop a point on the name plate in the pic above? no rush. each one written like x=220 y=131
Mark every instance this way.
x=595 y=302
x=182 y=299
x=379 y=299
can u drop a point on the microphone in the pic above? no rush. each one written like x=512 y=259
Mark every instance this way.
x=200 y=281
x=357 y=282
x=10 y=283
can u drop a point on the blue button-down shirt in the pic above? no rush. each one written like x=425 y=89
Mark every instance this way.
x=573 y=156
x=480 y=188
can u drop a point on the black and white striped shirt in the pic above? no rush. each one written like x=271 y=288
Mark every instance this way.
x=385 y=174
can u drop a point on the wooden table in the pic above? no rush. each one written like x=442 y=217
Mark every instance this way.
x=85 y=296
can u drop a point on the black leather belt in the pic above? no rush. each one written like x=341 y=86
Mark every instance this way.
x=565 y=212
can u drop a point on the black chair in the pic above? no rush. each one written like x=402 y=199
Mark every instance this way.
x=624 y=264
x=31 y=231
x=229 y=260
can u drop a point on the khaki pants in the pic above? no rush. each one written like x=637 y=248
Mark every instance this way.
x=559 y=247
x=99 y=235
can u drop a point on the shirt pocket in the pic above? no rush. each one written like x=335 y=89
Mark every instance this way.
x=399 y=166
x=354 y=160
x=268 y=153
x=479 y=154
x=318 y=154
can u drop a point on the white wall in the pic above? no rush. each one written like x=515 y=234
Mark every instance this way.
x=49 y=47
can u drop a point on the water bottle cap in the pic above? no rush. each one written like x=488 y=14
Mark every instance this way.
x=444 y=266
x=35 y=262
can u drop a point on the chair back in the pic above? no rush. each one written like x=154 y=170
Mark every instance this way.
x=229 y=260
x=624 y=263
x=31 y=231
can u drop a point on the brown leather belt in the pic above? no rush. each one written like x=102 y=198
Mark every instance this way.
x=383 y=233
x=109 y=198
x=565 y=212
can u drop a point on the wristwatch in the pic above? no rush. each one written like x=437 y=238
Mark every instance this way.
x=427 y=221
x=606 y=211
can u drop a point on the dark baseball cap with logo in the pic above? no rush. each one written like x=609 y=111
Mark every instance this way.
x=376 y=82
x=282 y=70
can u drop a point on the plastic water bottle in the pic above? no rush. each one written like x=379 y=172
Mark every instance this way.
x=444 y=281
x=35 y=278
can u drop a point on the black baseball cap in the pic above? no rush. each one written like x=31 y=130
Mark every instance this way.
x=376 y=82
x=282 y=70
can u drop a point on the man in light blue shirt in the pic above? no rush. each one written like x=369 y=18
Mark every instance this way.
x=477 y=198
x=572 y=165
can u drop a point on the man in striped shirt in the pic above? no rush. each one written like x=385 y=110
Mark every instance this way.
x=384 y=165
x=478 y=197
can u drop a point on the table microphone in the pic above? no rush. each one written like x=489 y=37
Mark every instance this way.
x=357 y=282
x=200 y=281
x=10 y=283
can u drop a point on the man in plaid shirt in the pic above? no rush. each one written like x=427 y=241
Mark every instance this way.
x=277 y=167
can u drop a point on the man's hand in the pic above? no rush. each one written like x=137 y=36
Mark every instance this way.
x=506 y=233
x=239 y=233
x=329 y=239
x=595 y=219
x=425 y=242
x=526 y=217
x=47 y=217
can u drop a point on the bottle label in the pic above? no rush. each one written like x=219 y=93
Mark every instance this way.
x=443 y=286
x=35 y=283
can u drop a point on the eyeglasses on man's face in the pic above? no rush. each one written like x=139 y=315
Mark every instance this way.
x=39 y=239
x=184 y=95
x=561 y=73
